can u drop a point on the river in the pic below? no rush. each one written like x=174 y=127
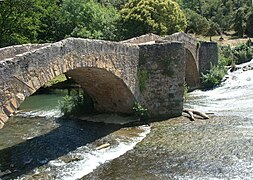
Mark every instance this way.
x=38 y=144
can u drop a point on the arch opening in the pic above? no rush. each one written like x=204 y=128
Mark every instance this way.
x=108 y=92
x=191 y=71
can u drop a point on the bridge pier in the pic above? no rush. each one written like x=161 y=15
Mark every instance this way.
x=161 y=77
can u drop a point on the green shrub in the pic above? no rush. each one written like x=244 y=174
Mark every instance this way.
x=143 y=78
x=242 y=53
x=140 y=111
x=76 y=105
x=213 y=77
x=225 y=55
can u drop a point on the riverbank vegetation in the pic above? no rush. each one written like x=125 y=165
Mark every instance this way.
x=76 y=104
x=228 y=58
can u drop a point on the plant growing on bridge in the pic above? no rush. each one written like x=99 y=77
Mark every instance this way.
x=186 y=88
x=143 y=78
x=140 y=111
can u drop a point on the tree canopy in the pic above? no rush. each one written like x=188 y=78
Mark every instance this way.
x=35 y=21
x=157 y=16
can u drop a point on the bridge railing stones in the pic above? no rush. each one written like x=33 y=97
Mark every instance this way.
x=181 y=37
x=11 y=51
x=143 y=39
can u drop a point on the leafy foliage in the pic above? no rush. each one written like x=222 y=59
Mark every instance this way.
x=213 y=30
x=76 y=105
x=143 y=78
x=242 y=53
x=196 y=23
x=157 y=16
x=31 y=21
x=249 y=26
x=213 y=77
x=239 y=22
x=89 y=19
x=227 y=57
x=140 y=111
x=228 y=14
x=17 y=24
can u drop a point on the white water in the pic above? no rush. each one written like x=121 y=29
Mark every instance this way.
x=89 y=158
x=233 y=97
x=41 y=113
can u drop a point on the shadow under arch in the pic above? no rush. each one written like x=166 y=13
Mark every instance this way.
x=191 y=71
x=108 y=92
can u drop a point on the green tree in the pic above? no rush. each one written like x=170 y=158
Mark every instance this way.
x=213 y=30
x=195 y=5
x=157 y=16
x=19 y=22
x=88 y=19
x=239 y=22
x=249 y=26
x=196 y=23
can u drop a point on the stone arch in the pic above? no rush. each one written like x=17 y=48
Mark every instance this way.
x=191 y=70
x=108 y=92
x=25 y=73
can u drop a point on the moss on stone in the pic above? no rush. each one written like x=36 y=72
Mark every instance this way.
x=143 y=77
x=56 y=80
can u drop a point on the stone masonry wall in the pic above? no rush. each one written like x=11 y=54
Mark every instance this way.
x=143 y=39
x=189 y=41
x=11 y=51
x=23 y=74
x=208 y=54
x=161 y=76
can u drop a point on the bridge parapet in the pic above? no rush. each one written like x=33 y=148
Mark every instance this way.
x=11 y=51
x=147 y=38
x=181 y=37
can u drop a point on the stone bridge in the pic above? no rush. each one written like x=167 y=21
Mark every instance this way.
x=199 y=55
x=148 y=69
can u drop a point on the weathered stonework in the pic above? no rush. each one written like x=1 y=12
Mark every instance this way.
x=208 y=53
x=164 y=87
x=148 y=69
x=23 y=74
x=11 y=51
x=198 y=54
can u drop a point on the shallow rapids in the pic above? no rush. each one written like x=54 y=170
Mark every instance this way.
x=233 y=98
x=37 y=143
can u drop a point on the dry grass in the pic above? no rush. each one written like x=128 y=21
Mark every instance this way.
x=227 y=39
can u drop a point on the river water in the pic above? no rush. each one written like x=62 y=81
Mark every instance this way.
x=38 y=144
